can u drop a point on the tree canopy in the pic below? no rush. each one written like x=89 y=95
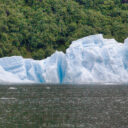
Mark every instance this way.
x=36 y=28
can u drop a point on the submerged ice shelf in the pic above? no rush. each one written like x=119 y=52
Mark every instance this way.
x=90 y=59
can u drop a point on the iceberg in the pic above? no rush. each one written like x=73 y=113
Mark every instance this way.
x=90 y=59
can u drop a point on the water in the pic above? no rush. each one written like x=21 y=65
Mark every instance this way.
x=67 y=106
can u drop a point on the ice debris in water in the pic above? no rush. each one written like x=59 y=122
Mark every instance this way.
x=90 y=59
x=12 y=88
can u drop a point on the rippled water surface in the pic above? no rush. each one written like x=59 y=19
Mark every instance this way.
x=67 y=106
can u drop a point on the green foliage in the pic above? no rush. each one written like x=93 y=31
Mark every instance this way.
x=36 y=28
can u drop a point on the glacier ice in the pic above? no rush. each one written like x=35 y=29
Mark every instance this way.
x=90 y=59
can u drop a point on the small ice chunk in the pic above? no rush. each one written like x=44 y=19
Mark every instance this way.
x=12 y=88
x=48 y=88
x=7 y=98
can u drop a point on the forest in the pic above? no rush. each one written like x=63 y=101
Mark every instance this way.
x=37 y=28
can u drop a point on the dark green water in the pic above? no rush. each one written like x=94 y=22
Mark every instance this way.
x=40 y=106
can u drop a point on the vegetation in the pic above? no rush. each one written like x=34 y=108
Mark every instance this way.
x=36 y=28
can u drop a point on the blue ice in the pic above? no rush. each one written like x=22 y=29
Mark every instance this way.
x=90 y=59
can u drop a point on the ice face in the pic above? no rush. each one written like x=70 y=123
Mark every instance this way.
x=90 y=59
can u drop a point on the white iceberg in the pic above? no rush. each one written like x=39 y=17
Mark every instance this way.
x=90 y=59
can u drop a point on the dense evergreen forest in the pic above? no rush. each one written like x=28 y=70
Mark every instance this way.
x=36 y=28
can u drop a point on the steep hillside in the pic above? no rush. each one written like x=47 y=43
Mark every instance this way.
x=36 y=28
